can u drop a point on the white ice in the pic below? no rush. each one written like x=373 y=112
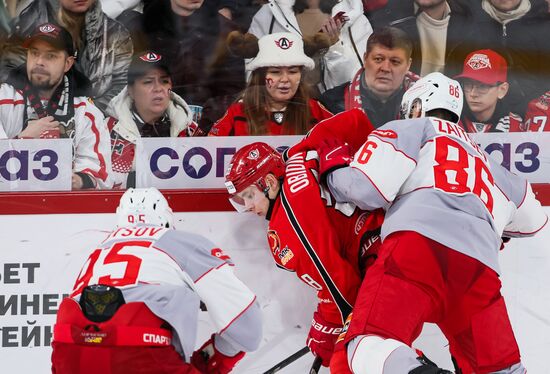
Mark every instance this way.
x=60 y=243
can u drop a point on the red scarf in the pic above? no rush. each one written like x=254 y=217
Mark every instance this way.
x=352 y=95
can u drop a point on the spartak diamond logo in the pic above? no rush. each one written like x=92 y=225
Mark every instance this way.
x=479 y=61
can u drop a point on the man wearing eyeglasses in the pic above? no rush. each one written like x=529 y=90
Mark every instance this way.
x=484 y=81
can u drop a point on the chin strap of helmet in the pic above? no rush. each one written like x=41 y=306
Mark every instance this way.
x=272 y=201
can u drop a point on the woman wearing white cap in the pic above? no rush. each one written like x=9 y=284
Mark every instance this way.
x=345 y=22
x=145 y=108
x=275 y=101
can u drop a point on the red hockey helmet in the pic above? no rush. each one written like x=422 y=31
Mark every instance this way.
x=250 y=165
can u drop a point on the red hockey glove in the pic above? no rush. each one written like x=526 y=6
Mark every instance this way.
x=322 y=337
x=208 y=360
x=333 y=155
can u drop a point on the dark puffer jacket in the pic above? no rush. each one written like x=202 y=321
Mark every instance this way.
x=523 y=42
x=203 y=71
x=105 y=55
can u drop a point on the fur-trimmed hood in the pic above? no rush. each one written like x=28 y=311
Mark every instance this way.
x=120 y=108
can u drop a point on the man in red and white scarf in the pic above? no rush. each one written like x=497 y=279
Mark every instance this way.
x=43 y=99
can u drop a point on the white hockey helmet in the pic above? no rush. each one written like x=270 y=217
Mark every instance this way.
x=434 y=91
x=144 y=205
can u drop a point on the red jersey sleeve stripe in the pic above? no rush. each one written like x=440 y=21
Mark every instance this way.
x=12 y=102
x=102 y=173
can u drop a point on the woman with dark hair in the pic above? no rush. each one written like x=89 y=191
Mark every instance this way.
x=276 y=100
x=343 y=21
x=145 y=108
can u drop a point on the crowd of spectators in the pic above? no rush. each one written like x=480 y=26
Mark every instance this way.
x=161 y=68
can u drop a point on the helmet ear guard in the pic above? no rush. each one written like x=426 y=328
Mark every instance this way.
x=144 y=205
x=434 y=91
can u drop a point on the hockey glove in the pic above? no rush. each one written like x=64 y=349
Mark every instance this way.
x=208 y=360
x=332 y=155
x=322 y=337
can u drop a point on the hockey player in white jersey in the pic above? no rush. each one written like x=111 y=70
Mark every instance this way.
x=447 y=207
x=134 y=307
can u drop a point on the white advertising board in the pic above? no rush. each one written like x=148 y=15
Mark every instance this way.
x=35 y=164
x=39 y=265
x=201 y=162
x=170 y=163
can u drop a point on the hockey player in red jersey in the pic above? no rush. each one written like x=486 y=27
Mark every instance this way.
x=447 y=207
x=326 y=244
x=134 y=307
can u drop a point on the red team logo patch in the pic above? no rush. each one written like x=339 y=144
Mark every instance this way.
x=284 y=43
x=47 y=28
x=273 y=240
x=385 y=134
x=150 y=57
x=479 y=61
x=253 y=154
x=217 y=252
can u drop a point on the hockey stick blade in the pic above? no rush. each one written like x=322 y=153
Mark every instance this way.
x=287 y=361
x=316 y=365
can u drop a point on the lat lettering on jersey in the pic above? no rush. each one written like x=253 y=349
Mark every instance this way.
x=296 y=173
x=455 y=131
x=138 y=232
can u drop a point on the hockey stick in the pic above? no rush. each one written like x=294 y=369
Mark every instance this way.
x=290 y=359
x=316 y=365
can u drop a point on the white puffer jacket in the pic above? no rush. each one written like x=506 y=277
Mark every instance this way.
x=344 y=58
x=120 y=107
x=125 y=133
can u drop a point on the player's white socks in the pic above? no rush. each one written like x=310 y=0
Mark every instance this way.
x=514 y=369
x=376 y=355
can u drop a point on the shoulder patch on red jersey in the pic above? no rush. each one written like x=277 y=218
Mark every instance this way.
x=274 y=241
x=285 y=255
x=385 y=133
x=217 y=252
